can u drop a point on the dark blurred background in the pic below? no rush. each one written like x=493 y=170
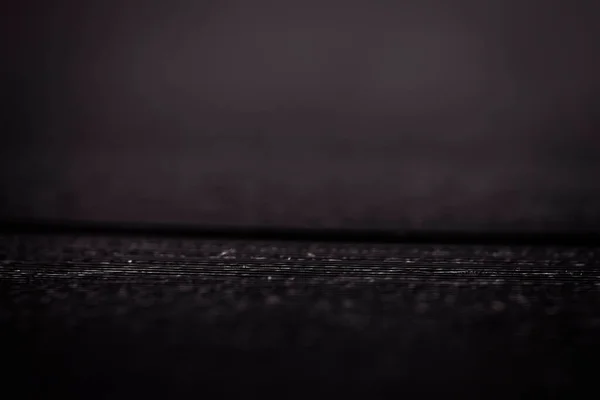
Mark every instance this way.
x=462 y=115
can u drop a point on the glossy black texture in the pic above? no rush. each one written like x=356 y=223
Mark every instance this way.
x=153 y=317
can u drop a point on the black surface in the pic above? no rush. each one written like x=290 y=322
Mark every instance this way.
x=92 y=316
x=579 y=237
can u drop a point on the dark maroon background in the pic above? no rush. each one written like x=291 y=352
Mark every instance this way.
x=361 y=114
